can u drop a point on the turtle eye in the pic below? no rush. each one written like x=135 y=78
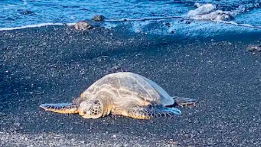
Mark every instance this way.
x=84 y=112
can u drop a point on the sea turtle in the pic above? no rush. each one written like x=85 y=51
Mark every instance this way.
x=98 y=18
x=122 y=93
x=83 y=25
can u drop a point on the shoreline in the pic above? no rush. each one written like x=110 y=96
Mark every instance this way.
x=36 y=26
x=114 y=24
x=56 y=63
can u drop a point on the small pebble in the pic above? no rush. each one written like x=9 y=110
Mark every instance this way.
x=253 y=48
x=17 y=124
x=82 y=142
x=2 y=114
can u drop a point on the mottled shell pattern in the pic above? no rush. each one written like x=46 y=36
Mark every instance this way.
x=126 y=87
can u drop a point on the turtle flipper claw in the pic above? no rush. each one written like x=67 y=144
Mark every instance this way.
x=151 y=112
x=185 y=102
x=60 y=107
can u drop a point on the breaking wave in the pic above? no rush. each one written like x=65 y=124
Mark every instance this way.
x=210 y=11
x=203 y=11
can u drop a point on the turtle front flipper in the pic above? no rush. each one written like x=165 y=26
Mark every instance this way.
x=60 y=107
x=184 y=102
x=152 y=111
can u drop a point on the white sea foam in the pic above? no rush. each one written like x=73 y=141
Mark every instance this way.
x=242 y=25
x=209 y=12
x=202 y=9
x=217 y=15
x=36 y=25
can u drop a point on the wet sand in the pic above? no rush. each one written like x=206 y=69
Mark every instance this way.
x=56 y=63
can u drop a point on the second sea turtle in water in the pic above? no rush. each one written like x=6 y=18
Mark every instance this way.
x=122 y=93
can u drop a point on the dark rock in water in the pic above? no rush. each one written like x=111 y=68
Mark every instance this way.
x=254 y=48
x=10 y=19
x=98 y=18
x=171 y=32
x=167 y=24
x=25 y=12
x=187 y=22
x=83 y=25
x=71 y=6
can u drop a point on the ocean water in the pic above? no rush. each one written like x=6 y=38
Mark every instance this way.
x=208 y=14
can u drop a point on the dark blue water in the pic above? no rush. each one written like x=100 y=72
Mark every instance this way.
x=14 y=13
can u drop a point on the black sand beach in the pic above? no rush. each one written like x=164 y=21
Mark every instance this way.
x=56 y=63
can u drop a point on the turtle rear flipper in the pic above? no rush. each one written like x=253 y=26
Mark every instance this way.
x=152 y=111
x=60 y=107
x=184 y=102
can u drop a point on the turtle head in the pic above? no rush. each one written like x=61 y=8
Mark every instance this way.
x=91 y=109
